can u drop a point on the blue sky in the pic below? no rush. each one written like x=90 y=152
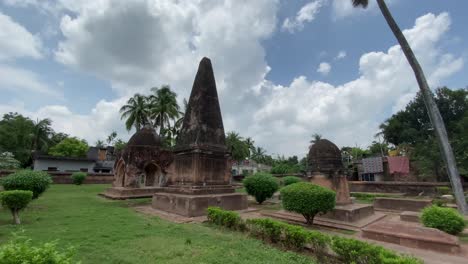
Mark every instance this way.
x=277 y=67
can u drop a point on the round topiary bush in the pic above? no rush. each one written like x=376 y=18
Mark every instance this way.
x=261 y=186
x=28 y=180
x=307 y=199
x=78 y=177
x=288 y=180
x=16 y=201
x=443 y=218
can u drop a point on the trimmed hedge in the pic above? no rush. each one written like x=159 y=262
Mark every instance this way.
x=262 y=186
x=288 y=180
x=307 y=199
x=296 y=238
x=27 y=180
x=16 y=201
x=78 y=177
x=228 y=219
x=355 y=251
x=443 y=218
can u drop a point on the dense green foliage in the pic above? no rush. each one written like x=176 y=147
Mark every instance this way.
x=262 y=186
x=296 y=238
x=442 y=218
x=359 y=252
x=411 y=131
x=16 y=201
x=159 y=110
x=70 y=147
x=237 y=146
x=442 y=190
x=288 y=180
x=307 y=199
x=224 y=218
x=27 y=180
x=78 y=177
x=104 y=231
x=22 y=136
x=21 y=250
x=8 y=161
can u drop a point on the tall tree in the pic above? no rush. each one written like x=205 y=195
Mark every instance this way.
x=163 y=108
x=15 y=136
x=315 y=137
x=136 y=111
x=111 y=138
x=433 y=111
x=237 y=146
x=70 y=147
x=40 y=134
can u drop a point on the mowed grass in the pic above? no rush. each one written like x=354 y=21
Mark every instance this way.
x=104 y=231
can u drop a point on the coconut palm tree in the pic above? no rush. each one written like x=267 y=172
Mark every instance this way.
x=40 y=134
x=433 y=112
x=163 y=107
x=111 y=138
x=315 y=137
x=136 y=111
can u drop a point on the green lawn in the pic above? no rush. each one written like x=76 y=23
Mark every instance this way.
x=106 y=231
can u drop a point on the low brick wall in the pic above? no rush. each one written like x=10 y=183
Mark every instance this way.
x=64 y=177
x=401 y=204
x=409 y=188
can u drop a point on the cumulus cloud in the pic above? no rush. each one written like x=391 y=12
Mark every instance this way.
x=307 y=13
x=324 y=68
x=340 y=55
x=139 y=44
x=385 y=83
x=16 y=41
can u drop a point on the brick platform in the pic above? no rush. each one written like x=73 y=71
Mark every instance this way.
x=410 y=235
x=409 y=216
x=401 y=204
x=122 y=193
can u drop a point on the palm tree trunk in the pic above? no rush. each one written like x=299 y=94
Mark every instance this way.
x=433 y=111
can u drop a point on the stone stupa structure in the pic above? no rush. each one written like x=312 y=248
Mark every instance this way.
x=326 y=169
x=200 y=174
x=141 y=168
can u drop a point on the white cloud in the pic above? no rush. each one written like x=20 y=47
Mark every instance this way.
x=306 y=14
x=340 y=55
x=16 y=41
x=23 y=81
x=139 y=44
x=350 y=113
x=324 y=68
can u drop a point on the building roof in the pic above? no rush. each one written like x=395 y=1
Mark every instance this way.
x=48 y=157
x=145 y=137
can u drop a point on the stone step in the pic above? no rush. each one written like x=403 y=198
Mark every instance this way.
x=409 y=216
x=409 y=235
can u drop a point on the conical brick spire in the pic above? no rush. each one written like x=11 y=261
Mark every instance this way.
x=203 y=123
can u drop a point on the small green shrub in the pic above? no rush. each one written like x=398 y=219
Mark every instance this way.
x=16 y=201
x=261 y=186
x=318 y=242
x=288 y=180
x=295 y=237
x=358 y=252
x=21 y=250
x=225 y=218
x=28 y=180
x=443 y=190
x=78 y=177
x=439 y=202
x=442 y=218
x=266 y=229
x=307 y=199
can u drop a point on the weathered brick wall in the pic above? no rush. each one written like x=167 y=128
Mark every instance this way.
x=64 y=177
x=410 y=188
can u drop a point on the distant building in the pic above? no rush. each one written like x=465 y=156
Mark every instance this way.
x=248 y=167
x=97 y=160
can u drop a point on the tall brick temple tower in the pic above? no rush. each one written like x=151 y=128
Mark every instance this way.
x=201 y=169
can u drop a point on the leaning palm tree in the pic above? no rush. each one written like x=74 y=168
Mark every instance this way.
x=136 y=111
x=40 y=134
x=433 y=112
x=163 y=107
